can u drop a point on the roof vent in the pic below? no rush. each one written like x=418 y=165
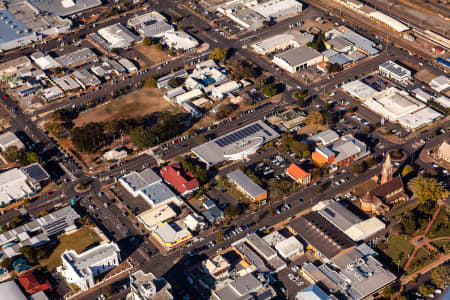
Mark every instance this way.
x=18 y=31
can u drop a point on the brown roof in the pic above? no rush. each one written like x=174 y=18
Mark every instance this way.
x=383 y=190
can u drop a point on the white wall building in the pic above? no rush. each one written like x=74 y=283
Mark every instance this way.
x=82 y=269
x=297 y=59
x=9 y=139
x=118 y=36
x=440 y=83
x=180 y=40
x=394 y=71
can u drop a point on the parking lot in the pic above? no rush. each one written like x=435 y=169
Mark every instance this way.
x=135 y=205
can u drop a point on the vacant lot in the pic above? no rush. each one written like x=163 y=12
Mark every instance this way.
x=152 y=53
x=78 y=241
x=133 y=105
x=424 y=75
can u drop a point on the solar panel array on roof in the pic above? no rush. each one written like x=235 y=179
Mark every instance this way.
x=240 y=134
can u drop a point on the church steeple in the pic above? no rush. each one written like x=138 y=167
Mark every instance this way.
x=388 y=170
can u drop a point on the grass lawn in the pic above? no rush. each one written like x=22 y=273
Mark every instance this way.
x=78 y=241
x=443 y=245
x=364 y=187
x=420 y=260
x=440 y=227
x=398 y=248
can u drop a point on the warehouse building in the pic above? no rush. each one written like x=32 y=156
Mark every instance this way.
x=118 y=36
x=44 y=61
x=76 y=58
x=440 y=83
x=152 y=25
x=65 y=8
x=289 y=248
x=9 y=139
x=153 y=217
x=14 y=66
x=237 y=144
x=180 y=40
x=247 y=186
x=297 y=59
x=394 y=71
x=420 y=118
x=52 y=93
x=86 y=79
x=171 y=235
x=283 y=41
x=67 y=83
x=443 y=101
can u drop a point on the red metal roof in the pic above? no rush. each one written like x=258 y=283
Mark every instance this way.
x=33 y=282
x=183 y=182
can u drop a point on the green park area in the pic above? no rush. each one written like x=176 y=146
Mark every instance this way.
x=78 y=241
x=422 y=258
x=440 y=227
x=397 y=248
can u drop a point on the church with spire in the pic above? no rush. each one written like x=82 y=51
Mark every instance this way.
x=389 y=192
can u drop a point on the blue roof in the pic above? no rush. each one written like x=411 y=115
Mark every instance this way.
x=9 y=26
x=443 y=61
x=340 y=59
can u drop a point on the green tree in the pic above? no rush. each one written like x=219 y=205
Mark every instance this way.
x=32 y=157
x=407 y=170
x=427 y=189
x=387 y=292
x=232 y=211
x=370 y=162
x=426 y=290
x=300 y=95
x=333 y=68
x=159 y=46
x=314 y=118
x=301 y=103
x=11 y=154
x=6 y=263
x=219 y=54
x=219 y=236
x=270 y=90
x=150 y=81
x=306 y=154
x=147 y=41
x=266 y=23
x=107 y=291
x=30 y=253
x=357 y=168
x=440 y=275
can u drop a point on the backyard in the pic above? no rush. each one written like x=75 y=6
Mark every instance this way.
x=78 y=241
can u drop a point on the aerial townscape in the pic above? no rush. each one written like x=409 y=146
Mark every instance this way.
x=224 y=149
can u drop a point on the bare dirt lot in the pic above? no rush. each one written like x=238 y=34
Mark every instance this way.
x=425 y=75
x=152 y=53
x=137 y=104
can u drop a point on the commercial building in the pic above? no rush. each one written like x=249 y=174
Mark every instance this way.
x=217 y=267
x=360 y=43
x=11 y=291
x=145 y=286
x=86 y=79
x=440 y=83
x=247 y=186
x=128 y=65
x=394 y=71
x=298 y=174
x=152 y=25
x=171 y=235
x=243 y=287
x=14 y=33
x=297 y=59
x=76 y=58
x=163 y=81
x=235 y=145
x=192 y=109
x=422 y=95
x=261 y=247
x=194 y=222
x=250 y=14
x=44 y=61
x=287 y=120
x=82 y=269
x=393 y=104
x=221 y=91
x=213 y=214
x=289 y=248
x=15 y=186
x=322 y=237
x=183 y=181
x=118 y=36
x=9 y=139
x=66 y=7
x=347 y=222
x=389 y=21
x=153 y=217
x=193 y=94
x=312 y=292
x=420 y=118
x=356 y=274
x=341 y=153
x=14 y=66
x=443 y=101
x=359 y=90
x=325 y=137
x=39 y=231
x=52 y=93
x=339 y=44
x=149 y=186
x=67 y=83
x=179 y=40
x=283 y=41
x=444 y=151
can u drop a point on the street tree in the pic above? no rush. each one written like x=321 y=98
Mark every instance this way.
x=314 y=118
x=219 y=54
x=426 y=290
x=219 y=236
x=407 y=170
x=440 y=275
x=270 y=90
x=427 y=189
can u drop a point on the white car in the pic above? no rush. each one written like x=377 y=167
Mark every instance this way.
x=332 y=94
